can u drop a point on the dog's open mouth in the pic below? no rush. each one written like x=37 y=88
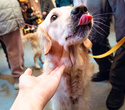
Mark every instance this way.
x=84 y=21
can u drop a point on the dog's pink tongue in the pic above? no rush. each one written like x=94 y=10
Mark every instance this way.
x=85 y=19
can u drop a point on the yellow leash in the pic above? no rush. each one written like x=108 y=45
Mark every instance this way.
x=119 y=44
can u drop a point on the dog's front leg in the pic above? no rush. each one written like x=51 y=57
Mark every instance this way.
x=35 y=60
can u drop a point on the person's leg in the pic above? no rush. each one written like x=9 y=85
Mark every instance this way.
x=99 y=36
x=117 y=74
x=103 y=63
x=15 y=52
x=4 y=49
x=117 y=78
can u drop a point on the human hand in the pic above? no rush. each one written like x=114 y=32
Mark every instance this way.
x=35 y=92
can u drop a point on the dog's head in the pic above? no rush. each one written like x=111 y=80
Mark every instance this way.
x=66 y=25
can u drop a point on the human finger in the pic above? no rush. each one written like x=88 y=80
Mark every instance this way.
x=28 y=72
x=46 y=73
x=58 y=71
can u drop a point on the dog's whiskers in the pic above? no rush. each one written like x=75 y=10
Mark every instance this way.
x=101 y=23
x=102 y=17
x=102 y=14
x=101 y=28
x=98 y=31
x=99 y=19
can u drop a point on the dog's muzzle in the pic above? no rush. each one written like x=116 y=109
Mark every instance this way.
x=78 y=11
x=81 y=13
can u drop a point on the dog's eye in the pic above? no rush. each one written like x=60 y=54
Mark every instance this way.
x=53 y=18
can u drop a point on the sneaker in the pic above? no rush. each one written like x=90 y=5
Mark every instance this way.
x=16 y=83
x=100 y=77
x=115 y=99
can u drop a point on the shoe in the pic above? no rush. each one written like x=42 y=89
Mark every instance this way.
x=16 y=83
x=99 y=77
x=115 y=99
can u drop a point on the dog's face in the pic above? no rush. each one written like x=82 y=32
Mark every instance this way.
x=68 y=25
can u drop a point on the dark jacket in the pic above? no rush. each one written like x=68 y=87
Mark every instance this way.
x=118 y=8
x=46 y=5
x=10 y=16
x=60 y=3
x=101 y=11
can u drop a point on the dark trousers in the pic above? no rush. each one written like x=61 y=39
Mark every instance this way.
x=117 y=70
x=5 y=51
x=104 y=63
x=15 y=51
x=117 y=73
x=100 y=32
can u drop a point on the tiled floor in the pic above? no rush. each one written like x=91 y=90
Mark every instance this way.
x=99 y=91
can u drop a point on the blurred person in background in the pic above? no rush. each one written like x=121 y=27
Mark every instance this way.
x=5 y=51
x=11 y=21
x=23 y=9
x=46 y=6
x=115 y=74
x=101 y=10
x=30 y=14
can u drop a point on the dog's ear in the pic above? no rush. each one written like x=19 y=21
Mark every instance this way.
x=46 y=42
x=87 y=43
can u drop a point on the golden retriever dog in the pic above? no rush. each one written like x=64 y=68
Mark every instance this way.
x=35 y=44
x=62 y=34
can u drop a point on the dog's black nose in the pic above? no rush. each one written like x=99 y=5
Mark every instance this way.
x=79 y=10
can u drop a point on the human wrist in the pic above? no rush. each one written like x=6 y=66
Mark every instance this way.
x=26 y=102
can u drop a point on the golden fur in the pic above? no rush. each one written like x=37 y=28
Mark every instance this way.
x=73 y=91
x=35 y=44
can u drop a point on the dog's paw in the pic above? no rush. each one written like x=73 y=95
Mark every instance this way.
x=37 y=67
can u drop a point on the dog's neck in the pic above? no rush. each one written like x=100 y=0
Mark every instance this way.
x=58 y=55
